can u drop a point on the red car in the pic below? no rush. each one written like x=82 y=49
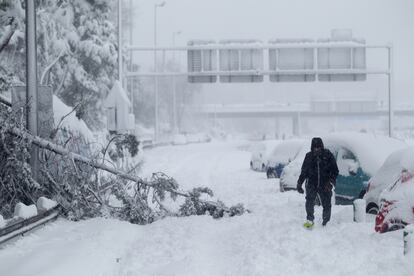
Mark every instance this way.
x=397 y=203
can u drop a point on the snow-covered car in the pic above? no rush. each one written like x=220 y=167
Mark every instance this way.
x=388 y=173
x=260 y=151
x=290 y=173
x=397 y=200
x=358 y=156
x=282 y=155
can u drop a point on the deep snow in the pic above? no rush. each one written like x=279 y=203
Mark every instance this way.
x=268 y=241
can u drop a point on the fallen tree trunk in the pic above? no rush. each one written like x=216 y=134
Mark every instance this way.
x=45 y=144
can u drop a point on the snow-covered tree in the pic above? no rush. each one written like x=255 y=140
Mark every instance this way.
x=11 y=21
x=88 y=50
x=76 y=50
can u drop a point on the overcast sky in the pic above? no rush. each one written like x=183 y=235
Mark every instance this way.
x=378 y=21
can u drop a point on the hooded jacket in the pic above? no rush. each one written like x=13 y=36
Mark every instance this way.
x=319 y=168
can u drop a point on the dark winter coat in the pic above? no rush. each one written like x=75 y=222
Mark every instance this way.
x=320 y=169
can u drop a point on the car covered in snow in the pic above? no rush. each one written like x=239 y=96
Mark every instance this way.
x=397 y=200
x=260 y=151
x=388 y=173
x=290 y=173
x=282 y=155
x=358 y=156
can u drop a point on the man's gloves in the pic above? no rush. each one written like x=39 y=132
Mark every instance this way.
x=299 y=188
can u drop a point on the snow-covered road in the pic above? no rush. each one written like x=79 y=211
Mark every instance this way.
x=268 y=241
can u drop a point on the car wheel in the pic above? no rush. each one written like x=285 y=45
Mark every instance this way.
x=251 y=165
x=372 y=208
x=270 y=173
x=396 y=225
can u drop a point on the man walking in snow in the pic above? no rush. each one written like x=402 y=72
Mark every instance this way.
x=319 y=169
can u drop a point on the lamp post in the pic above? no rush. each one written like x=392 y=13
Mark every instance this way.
x=31 y=81
x=120 y=41
x=160 y=5
x=174 y=87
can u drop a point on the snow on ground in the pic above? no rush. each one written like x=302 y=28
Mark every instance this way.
x=268 y=241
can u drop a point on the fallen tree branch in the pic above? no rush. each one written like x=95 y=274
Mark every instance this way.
x=50 y=66
x=45 y=144
x=136 y=208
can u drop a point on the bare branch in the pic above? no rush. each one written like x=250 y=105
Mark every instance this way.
x=61 y=54
x=54 y=132
x=5 y=39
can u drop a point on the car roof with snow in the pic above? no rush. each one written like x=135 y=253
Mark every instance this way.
x=286 y=151
x=371 y=150
x=391 y=168
x=264 y=146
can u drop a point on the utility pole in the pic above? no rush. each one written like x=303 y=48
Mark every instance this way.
x=131 y=63
x=156 y=131
x=174 y=87
x=31 y=82
x=120 y=73
x=390 y=90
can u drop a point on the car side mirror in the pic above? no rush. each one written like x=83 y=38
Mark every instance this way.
x=352 y=172
x=352 y=167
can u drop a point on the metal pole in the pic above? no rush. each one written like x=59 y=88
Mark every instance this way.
x=174 y=84
x=31 y=81
x=156 y=131
x=155 y=78
x=390 y=90
x=120 y=42
x=131 y=55
x=174 y=87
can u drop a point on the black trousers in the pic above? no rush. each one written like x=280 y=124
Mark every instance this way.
x=325 y=198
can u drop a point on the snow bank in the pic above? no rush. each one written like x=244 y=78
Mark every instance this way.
x=409 y=240
x=71 y=122
x=371 y=150
x=24 y=211
x=179 y=139
x=44 y=204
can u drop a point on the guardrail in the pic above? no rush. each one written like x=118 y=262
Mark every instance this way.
x=17 y=227
x=5 y=101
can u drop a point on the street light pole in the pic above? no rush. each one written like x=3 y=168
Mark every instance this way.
x=174 y=87
x=131 y=80
x=31 y=81
x=390 y=91
x=156 y=130
x=120 y=41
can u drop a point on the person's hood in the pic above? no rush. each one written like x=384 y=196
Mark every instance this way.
x=317 y=142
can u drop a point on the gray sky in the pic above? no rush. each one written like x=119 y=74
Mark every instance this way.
x=378 y=21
